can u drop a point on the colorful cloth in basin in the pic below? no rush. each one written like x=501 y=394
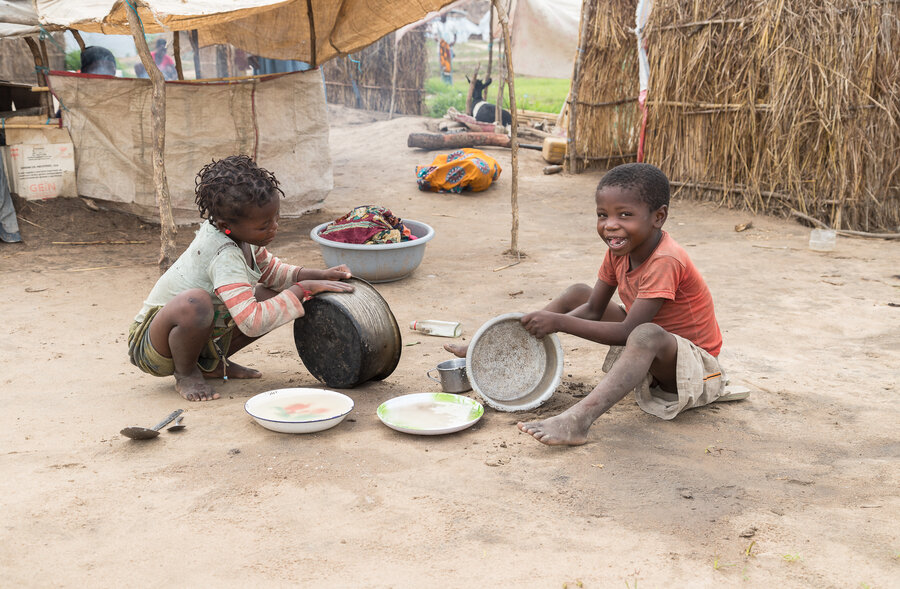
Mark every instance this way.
x=367 y=224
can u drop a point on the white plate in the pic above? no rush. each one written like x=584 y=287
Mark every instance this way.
x=298 y=410
x=430 y=414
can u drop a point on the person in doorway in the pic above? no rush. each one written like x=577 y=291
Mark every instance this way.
x=98 y=61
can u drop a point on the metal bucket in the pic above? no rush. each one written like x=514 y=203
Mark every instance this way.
x=346 y=339
x=453 y=377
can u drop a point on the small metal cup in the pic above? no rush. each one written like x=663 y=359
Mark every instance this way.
x=453 y=377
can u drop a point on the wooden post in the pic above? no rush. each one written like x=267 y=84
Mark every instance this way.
x=513 y=137
x=195 y=47
x=587 y=15
x=41 y=74
x=490 y=41
x=222 y=61
x=394 y=76
x=498 y=111
x=176 y=49
x=158 y=138
x=78 y=38
x=313 y=60
x=469 y=102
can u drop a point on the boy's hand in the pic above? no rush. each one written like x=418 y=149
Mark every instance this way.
x=540 y=323
x=341 y=272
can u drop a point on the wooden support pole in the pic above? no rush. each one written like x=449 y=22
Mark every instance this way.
x=313 y=60
x=41 y=73
x=514 y=126
x=158 y=139
x=587 y=15
x=195 y=48
x=78 y=38
x=498 y=111
x=394 y=76
x=490 y=42
x=176 y=49
x=470 y=104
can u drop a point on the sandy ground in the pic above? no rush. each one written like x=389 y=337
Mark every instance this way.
x=796 y=487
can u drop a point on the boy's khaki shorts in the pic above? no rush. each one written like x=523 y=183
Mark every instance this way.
x=143 y=355
x=700 y=381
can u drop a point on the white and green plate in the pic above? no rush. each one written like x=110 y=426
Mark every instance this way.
x=430 y=414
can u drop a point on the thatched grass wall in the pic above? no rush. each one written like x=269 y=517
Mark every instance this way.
x=776 y=106
x=372 y=75
x=605 y=102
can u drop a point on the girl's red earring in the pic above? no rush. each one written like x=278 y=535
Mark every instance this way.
x=228 y=232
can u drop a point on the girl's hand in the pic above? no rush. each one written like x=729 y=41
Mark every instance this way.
x=317 y=286
x=540 y=323
x=341 y=272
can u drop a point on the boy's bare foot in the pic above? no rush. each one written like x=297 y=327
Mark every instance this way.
x=566 y=429
x=193 y=388
x=458 y=350
x=234 y=371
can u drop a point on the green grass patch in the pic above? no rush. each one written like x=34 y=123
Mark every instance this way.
x=538 y=94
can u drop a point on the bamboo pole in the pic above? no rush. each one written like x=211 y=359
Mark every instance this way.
x=158 y=139
x=195 y=47
x=587 y=14
x=514 y=139
x=176 y=49
x=78 y=38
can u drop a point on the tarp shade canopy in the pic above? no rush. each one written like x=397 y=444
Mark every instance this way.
x=278 y=30
x=279 y=120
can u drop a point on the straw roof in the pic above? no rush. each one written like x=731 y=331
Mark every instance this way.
x=771 y=106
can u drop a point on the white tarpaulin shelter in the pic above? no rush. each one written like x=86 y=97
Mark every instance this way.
x=281 y=121
x=544 y=37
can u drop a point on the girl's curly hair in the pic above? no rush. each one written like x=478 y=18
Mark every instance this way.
x=224 y=187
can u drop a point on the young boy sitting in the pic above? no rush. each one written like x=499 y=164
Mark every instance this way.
x=668 y=327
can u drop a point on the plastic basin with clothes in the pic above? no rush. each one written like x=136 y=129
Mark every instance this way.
x=382 y=262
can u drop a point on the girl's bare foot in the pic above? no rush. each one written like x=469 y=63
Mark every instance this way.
x=193 y=388
x=566 y=429
x=458 y=350
x=234 y=371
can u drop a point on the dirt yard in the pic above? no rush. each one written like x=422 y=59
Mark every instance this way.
x=795 y=487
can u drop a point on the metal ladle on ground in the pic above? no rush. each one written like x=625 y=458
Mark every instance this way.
x=143 y=433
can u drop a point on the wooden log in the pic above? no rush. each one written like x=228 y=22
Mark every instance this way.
x=503 y=17
x=158 y=140
x=438 y=141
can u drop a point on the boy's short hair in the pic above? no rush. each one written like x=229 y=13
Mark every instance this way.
x=224 y=187
x=649 y=181
x=98 y=60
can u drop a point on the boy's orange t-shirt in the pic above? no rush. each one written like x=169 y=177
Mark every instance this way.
x=671 y=275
